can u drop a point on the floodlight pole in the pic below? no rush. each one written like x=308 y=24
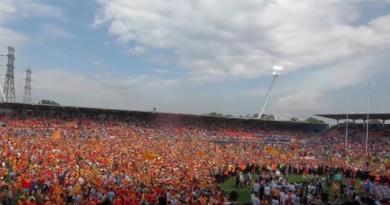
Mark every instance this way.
x=275 y=77
x=274 y=110
x=368 y=116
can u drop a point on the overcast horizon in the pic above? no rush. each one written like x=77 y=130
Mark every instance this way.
x=202 y=56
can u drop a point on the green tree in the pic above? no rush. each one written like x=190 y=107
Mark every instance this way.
x=48 y=102
x=313 y=120
x=216 y=114
x=267 y=117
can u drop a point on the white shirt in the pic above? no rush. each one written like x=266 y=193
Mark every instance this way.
x=386 y=192
x=256 y=187
x=273 y=185
x=267 y=190
x=275 y=202
x=295 y=199
x=283 y=197
x=255 y=200
x=291 y=187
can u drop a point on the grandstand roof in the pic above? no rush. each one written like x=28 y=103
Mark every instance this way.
x=356 y=116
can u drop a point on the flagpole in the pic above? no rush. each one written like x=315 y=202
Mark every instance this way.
x=368 y=116
x=346 y=122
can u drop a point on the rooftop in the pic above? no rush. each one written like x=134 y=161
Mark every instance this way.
x=356 y=116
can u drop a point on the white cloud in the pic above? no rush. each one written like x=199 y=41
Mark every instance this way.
x=10 y=9
x=14 y=9
x=131 y=92
x=222 y=38
x=338 y=42
x=310 y=95
x=301 y=100
x=9 y=37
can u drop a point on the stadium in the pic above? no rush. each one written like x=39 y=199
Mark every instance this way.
x=260 y=102
x=89 y=155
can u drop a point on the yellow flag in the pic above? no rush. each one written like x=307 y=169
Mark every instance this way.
x=150 y=155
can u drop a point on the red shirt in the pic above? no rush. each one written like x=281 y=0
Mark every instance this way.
x=26 y=184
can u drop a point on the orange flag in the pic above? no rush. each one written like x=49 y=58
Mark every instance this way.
x=150 y=155
x=56 y=135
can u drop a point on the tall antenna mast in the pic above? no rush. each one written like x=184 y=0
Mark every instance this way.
x=276 y=71
x=346 y=122
x=9 y=85
x=27 y=87
x=368 y=116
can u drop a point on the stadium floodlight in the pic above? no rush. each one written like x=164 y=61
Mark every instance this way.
x=276 y=71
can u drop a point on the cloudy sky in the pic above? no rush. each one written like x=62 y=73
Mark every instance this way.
x=201 y=56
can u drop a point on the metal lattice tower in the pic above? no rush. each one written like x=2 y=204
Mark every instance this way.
x=27 y=87
x=9 y=85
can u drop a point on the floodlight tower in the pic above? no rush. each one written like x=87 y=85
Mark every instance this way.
x=27 y=87
x=9 y=85
x=276 y=71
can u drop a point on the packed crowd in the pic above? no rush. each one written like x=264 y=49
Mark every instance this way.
x=273 y=188
x=104 y=161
